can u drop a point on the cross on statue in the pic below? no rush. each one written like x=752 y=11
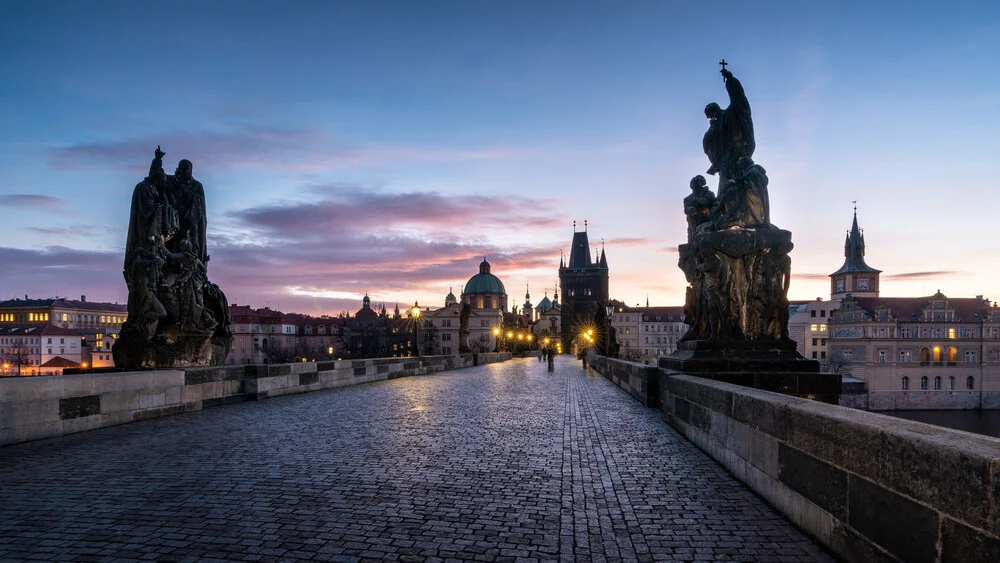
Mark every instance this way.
x=723 y=63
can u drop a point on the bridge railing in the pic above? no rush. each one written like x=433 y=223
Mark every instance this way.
x=32 y=408
x=868 y=486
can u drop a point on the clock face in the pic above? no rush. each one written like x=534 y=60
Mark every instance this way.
x=863 y=285
x=840 y=286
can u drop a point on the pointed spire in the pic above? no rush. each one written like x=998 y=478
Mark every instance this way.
x=527 y=291
x=854 y=249
x=584 y=225
x=647 y=300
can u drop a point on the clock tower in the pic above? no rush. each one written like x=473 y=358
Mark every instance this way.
x=854 y=277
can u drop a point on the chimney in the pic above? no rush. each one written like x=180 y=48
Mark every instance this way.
x=83 y=298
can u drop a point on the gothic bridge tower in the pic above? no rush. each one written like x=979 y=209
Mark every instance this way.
x=584 y=283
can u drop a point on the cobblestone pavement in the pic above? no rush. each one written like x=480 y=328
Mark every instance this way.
x=505 y=462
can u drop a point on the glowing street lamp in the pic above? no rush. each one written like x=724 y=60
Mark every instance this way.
x=415 y=313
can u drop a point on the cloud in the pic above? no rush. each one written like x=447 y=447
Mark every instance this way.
x=29 y=200
x=671 y=249
x=57 y=270
x=924 y=275
x=810 y=276
x=628 y=241
x=72 y=231
x=257 y=146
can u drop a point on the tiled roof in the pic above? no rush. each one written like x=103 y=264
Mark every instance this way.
x=967 y=309
x=60 y=362
x=59 y=303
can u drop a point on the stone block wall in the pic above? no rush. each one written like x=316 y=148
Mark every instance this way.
x=641 y=381
x=32 y=408
x=868 y=486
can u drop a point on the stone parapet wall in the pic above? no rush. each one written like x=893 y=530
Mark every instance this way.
x=868 y=486
x=639 y=380
x=33 y=408
x=483 y=358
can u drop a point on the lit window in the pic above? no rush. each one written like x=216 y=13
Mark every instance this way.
x=881 y=356
x=951 y=333
x=814 y=328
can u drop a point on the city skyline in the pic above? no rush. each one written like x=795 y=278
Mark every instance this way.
x=386 y=149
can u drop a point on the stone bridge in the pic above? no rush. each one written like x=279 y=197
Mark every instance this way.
x=500 y=462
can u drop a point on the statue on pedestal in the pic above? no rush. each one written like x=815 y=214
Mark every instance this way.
x=176 y=316
x=735 y=260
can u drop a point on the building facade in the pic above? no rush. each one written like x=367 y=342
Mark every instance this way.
x=646 y=334
x=584 y=283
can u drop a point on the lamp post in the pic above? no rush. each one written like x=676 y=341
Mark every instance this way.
x=415 y=314
x=607 y=329
x=496 y=339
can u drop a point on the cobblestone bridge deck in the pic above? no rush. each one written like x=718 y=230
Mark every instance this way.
x=498 y=462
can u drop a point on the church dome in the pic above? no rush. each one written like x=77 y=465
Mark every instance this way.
x=544 y=305
x=484 y=282
x=450 y=298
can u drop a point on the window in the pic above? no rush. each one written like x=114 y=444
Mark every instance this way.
x=923 y=383
x=951 y=383
x=970 y=382
x=812 y=313
x=814 y=328
x=904 y=355
x=814 y=354
x=822 y=313
x=822 y=355
x=951 y=333
x=906 y=383
x=881 y=356
x=937 y=382
x=970 y=357
x=815 y=341
x=822 y=328
x=848 y=354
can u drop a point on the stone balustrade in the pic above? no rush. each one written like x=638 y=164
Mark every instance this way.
x=868 y=486
x=32 y=408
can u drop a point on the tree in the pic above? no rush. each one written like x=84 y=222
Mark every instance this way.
x=16 y=356
x=839 y=365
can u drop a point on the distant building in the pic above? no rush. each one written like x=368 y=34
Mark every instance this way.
x=808 y=326
x=646 y=334
x=81 y=334
x=584 y=283
x=487 y=298
x=913 y=352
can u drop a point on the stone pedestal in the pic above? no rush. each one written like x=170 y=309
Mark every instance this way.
x=170 y=349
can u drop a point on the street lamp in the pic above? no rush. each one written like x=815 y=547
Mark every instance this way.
x=415 y=313
x=496 y=339
x=607 y=329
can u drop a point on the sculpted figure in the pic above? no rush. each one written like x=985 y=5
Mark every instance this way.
x=188 y=196
x=698 y=205
x=730 y=132
x=184 y=282
x=144 y=307
x=744 y=202
x=152 y=214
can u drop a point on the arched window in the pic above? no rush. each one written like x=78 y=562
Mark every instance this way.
x=970 y=382
x=925 y=355
x=923 y=383
x=937 y=382
x=937 y=353
x=952 y=354
x=951 y=383
x=906 y=383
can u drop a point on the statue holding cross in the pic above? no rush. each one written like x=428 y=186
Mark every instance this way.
x=730 y=131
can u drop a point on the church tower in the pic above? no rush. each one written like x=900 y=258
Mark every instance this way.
x=854 y=277
x=584 y=283
x=528 y=310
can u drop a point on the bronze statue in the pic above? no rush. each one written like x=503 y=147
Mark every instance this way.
x=176 y=316
x=730 y=131
x=735 y=261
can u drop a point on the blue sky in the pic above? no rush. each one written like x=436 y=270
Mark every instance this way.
x=387 y=146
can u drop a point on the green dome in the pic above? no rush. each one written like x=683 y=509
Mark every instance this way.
x=484 y=281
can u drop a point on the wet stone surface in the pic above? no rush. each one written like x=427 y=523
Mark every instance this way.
x=504 y=462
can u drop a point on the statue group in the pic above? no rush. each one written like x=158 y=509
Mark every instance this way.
x=735 y=260
x=176 y=316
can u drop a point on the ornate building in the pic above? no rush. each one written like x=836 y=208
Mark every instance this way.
x=854 y=277
x=584 y=283
x=931 y=352
x=487 y=300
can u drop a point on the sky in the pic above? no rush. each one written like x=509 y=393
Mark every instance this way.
x=387 y=147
